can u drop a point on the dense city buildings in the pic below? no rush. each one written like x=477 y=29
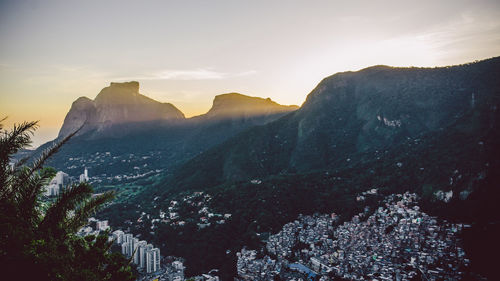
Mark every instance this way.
x=144 y=255
x=102 y=162
x=396 y=242
x=62 y=181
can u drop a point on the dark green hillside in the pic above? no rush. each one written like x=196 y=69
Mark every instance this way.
x=349 y=114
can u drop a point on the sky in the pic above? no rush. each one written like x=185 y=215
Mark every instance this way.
x=186 y=52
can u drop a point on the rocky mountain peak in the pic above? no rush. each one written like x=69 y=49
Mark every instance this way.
x=119 y=103
x=235 y=104
x=119 y=93
x=132 y=85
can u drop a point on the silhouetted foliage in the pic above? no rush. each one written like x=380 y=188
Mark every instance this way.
x=38 y=238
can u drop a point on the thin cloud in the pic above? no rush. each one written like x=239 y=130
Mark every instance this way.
x=195 y=74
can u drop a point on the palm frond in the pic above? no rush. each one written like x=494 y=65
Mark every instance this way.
x=87 y=208
x=11 y=142
x=46 y=154
x=27 y=201
x=1 y=122
x=29 y=194
x=17 y=138
x=109 y=244
x=8 y=188
x=68 y=200
x=20 y=162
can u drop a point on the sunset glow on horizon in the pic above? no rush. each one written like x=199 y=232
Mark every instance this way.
x=187 y=52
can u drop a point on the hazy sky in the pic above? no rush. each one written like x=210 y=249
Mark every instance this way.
x=186 y=52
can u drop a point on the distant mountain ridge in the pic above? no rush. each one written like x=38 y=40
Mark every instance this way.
x=121 y=103
x=121 y=121
x=350 y=114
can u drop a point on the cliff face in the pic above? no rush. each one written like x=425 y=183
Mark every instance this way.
x=119 y=103
x=122 y=103
x=83 y=111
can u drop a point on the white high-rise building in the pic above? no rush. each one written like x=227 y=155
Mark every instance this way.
x=135 y=252
x=57 y=184
x=85 y=176
x=152 y=260
x=127 y=245
x=143 y=254
x=141 y=245
x=178 y=265
x=132 y=246
x=51 y=190
x=157 y=259
x=61 y=179
x=118 y=235
x=128 y=237
x=125 y=249
x=102 y=225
